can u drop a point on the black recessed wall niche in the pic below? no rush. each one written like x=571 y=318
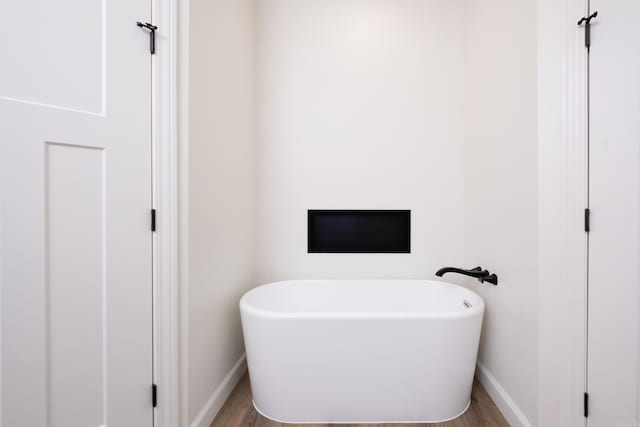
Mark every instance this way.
x=359 y=231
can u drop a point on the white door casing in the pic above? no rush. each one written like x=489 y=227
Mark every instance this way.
x=613 y=374
x=75 y=242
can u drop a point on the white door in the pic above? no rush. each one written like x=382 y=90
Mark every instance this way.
x=613 y=377
x=75 y=240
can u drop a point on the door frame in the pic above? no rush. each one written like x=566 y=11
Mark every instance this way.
x=167 y=321
x=562 y=194
x=562 y=177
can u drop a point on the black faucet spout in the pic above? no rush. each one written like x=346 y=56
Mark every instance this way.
x=473 y=272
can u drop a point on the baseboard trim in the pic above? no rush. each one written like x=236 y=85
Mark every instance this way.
x=210 y=409
x=503 y=401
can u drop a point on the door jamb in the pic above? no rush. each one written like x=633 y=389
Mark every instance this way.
x=166 y=286
x=562 y=168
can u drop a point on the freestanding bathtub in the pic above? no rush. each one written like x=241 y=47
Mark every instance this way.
x=361 y=351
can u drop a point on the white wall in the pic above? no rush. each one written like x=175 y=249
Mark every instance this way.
x=360 y=106
x=501 y=211
x=221 y=190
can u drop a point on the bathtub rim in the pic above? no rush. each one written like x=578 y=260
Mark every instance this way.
x=247 y=308
x=466 y=408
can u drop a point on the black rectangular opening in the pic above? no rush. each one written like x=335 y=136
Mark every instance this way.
x=359 y=231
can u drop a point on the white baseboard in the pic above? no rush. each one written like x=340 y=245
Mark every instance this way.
x=503 y=401
x=210 y=409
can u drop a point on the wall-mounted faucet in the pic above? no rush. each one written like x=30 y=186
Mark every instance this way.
x=477 y=272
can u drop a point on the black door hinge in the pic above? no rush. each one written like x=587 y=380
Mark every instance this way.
x=586 y=20
x=586 y=405
x=152 y=35
x=587 y=220
x=153 y=220
x=154 y=395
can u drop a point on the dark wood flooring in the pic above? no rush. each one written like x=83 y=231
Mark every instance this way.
x=238 y=411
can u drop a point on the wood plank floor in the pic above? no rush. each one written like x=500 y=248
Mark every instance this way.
x=238 y=411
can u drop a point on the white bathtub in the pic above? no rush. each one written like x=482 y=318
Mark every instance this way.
x=360 y=351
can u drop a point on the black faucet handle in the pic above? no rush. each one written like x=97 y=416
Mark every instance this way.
x=489 y=278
